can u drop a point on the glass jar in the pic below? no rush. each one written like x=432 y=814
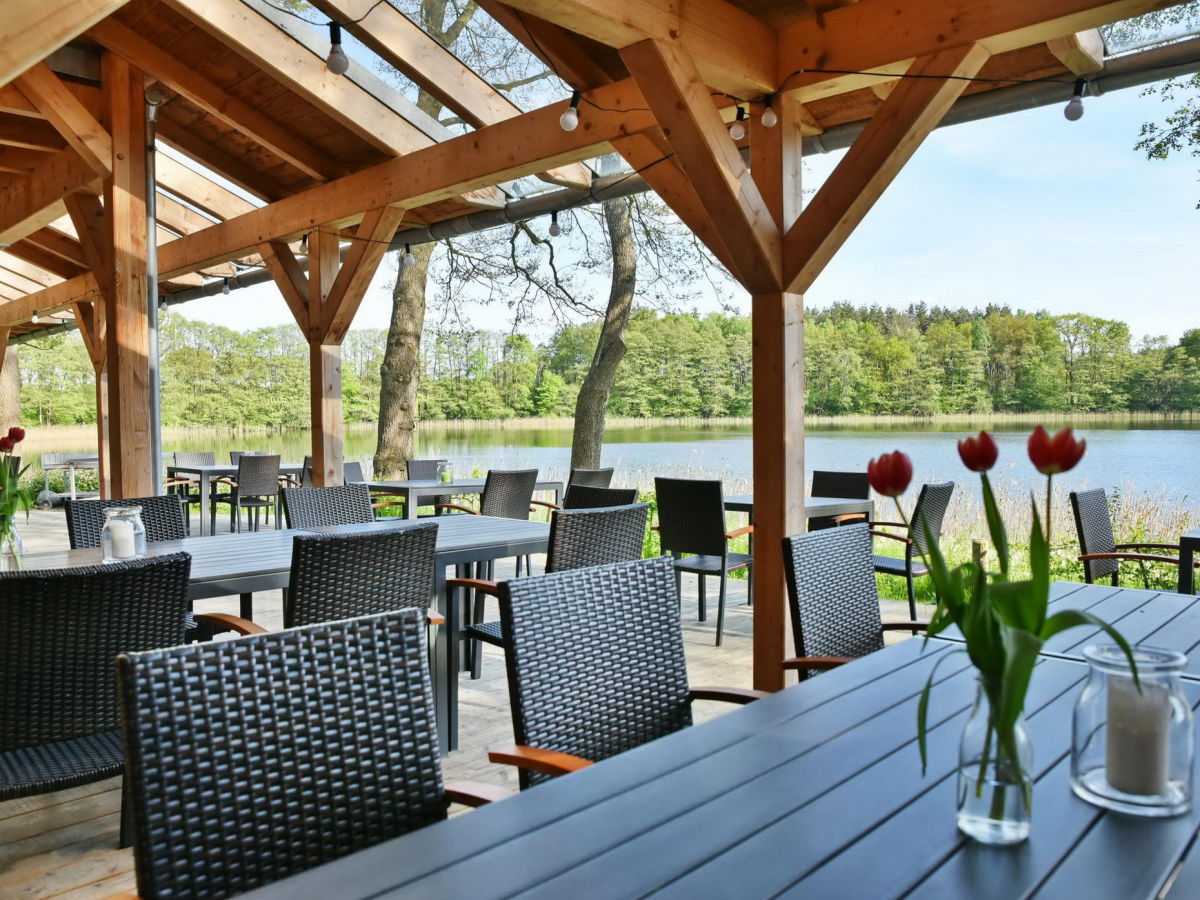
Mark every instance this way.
x=445 y=472
x=995 y=784
x=1132 y=749
x=12 y=552
x=123 y=535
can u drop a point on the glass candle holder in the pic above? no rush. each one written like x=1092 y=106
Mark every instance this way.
x=1132 y=749
x=445 y=473
x=123 y=535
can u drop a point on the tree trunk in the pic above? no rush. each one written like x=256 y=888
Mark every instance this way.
x=10 y=390
x=400 y=372
x=610 y=349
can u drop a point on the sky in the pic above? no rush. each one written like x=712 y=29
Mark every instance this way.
x=1027 y=209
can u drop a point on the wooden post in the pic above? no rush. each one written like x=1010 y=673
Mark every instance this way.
x=324 y=361
x=89 y=317
x=131 y=468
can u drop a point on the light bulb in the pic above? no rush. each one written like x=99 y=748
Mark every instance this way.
x=569 y=120
x=337 y=61
x=737 y=130
x=769 y=119
x=555 y=230
x=35 y=318
x=225 y=287
x=408 y=259
x=1074 y=110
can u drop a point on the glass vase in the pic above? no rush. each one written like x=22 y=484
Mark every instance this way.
x=445 y=472
x=1132 y=749
x=12 y=551
x=995 y=782
x=123 y=535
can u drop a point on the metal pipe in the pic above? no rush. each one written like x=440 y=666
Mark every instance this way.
x=154 y=99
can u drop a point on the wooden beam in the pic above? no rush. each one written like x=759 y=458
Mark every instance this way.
x=199 y=190
x=325 y=393
x=33 y=29
x=676 y=92
x=45 y=260
x=1081 y=52
x=371 y=242
x=775 y=161
x=564 y=52
x=95 y=236
x=734 y=50
x=30 y=134
x=20 y=160
x=870 y=36
x=233 y=168
x=289 y=278
x=178 y=217
x=23 y=267
x=36 y=201
x=59 y=296
x=60 y=245
x=62 y=110
x=891 y=137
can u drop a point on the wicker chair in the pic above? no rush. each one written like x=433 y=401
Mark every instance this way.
x=582 y=496
x=578 y=538
x=578 y=699
x=839 y=484
x=59 y=633
x=507 y=493
x=691 y=526
x=313 y=507
x=163 y=517
x=282 y=780
x=590 y=478
x=429 y=470
x=928 y=512
x=186 y=487
x=352 y=473
x=1100 y=554
x=833 y=598
x=255 y=488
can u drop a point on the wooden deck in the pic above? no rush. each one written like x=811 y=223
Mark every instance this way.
x=65 y=844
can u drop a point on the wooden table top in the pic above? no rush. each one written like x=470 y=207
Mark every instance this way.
x=815 y=791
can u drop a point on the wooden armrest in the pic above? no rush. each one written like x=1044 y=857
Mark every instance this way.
x=887 y=534
x=904 y=626
x=434 y=618
x=465 y=509
x=491 y=588
x=728 y=695
x=887 y=524
x=548 y=762
x=226 y=622
x=175 y=482
x=382 y=503
x=545 y=503
x=289 y=479
x=816 y=662
x=224 y=479
x=738 y=532
x=656 y=528
x=1143 y=557
x=125 y=895
x=849 y=517
x=475 y=793
x=1174 y=547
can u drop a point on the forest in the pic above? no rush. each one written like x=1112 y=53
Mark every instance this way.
x=860 y=360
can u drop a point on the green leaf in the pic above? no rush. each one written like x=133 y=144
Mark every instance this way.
x=995 y=524
x=1018 y=604
x=1022 y=650
x=923 y=707
x=1039 y=566
x=1071 y=618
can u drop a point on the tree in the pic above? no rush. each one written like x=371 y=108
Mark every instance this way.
x=10 y=388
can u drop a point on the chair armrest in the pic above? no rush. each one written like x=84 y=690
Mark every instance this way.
x=656 y=528
x=491 y=588
x=738 y=532
x=475 y=793
x=1143 y=557
x=434 y=618
x=903 y=626
x=888 y=524
x=548 y=762
x=850 y=517
x=175 y=482
x=1174 y=547
x=226 y=622
x=545 y=503
x=380 y=504
x=289 y=480
x=887 y=534
x=465 y=509
x=816 y=662
x=740 y=696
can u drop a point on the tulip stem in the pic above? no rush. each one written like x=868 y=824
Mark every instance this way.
x=1049 y=494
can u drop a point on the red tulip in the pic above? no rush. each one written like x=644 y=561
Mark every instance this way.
x=1052 y=454
x=978 y=453
x=16 y=435
x=890 y=474
x=6 y=444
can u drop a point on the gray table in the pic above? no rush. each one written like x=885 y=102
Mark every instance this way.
x=226 y=564
x=415 y=491
x=815 y=791
x=814 y=507
x=1189 y=548
x=206 y=474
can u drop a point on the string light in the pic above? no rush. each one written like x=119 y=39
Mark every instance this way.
x=737 y=130
x=569 y=120
x=304 y=243
x=769 y=117
x=408 y=259
x=35 y=318
x=1074 y=110
x=225 y=287
x=555 y=230
x=337 y=61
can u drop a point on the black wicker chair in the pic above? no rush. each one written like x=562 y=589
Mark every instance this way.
x=282 y=779
x=590 y=478
x=255 y=488
x=839 y=484
x=691 y=526
x=352 y=473
x=429 y=470
x=928 y=512
x=1100 y=554
x=187 y=487
x=578 y=538
x=507 y=493
x=582 y=496
x=833 y=598
x=59 y=633
x=313 y=507
x=163 y=517
x=595 y=665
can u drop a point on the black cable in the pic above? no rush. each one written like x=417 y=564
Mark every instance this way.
x=296 y=15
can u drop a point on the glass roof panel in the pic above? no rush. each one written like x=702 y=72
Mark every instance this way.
x=1165 y=26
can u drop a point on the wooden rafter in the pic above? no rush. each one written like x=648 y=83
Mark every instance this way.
x=70 y=117
x=566 y=53
x=30 y=134
x=289 y=277
x=36 y=28
x=95 y=234
x=1082 y=52
x=233 y=168
x=891 y=137
x=36 y=201
x=366 y=251
x=199 y=190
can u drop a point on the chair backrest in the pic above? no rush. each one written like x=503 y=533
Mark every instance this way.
x=312 y=507
x=582 y=496
x=590 y=478
x=1093 y=525
x=596 y=537
x=329 y=748
x=60 y=630
x=831 y=589
x=162 y=516
x=14 y=465
x=195 y=458
x=258 y=475
x=306 y=475
x=424 y=469
x=353 y=472
x=235 y=456
x=595 y=658
x=507 y=492
x=340 y=576
x=930 y=509
x=691 y=516
x=852 y=485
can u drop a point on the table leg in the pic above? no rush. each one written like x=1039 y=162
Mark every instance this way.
x=206 y=501
x=410 y=503
x=1187 y=561
x=71 y=477
x=443 y=669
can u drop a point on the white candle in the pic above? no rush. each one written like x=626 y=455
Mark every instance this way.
x=1138 y=729
x=121 y=533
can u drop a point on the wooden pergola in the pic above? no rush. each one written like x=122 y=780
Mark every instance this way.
x=344 y=161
